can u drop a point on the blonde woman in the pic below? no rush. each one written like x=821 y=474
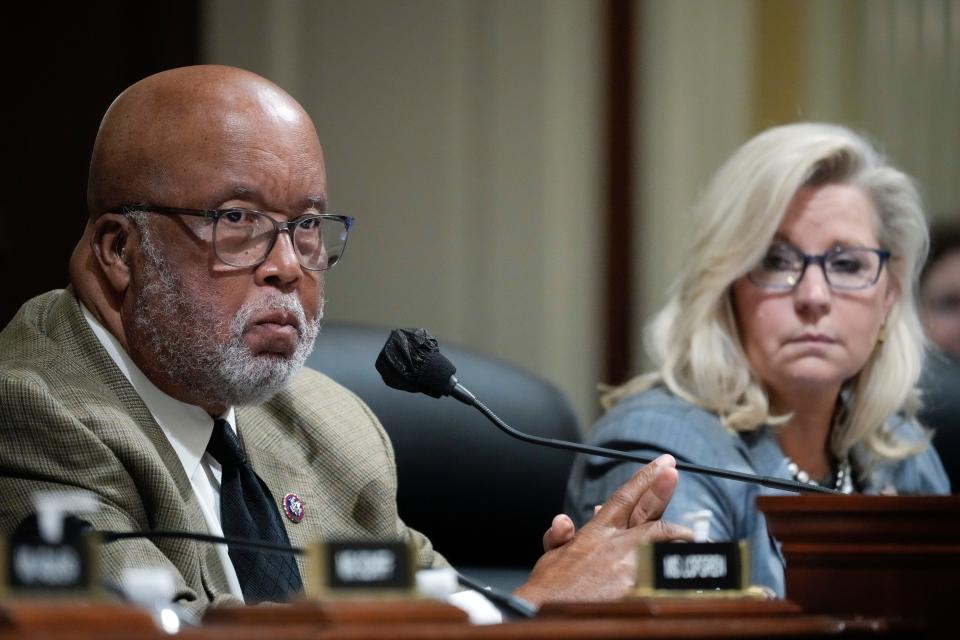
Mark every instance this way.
x=791 y=344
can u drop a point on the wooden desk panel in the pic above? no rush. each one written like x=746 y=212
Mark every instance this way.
x=412 y=620
x=886 y=556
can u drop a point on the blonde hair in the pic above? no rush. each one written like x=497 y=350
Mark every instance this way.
x=693 y=341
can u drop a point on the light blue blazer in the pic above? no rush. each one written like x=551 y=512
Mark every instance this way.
x=656 y=421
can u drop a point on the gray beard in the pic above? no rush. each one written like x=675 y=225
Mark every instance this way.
x=187 y=342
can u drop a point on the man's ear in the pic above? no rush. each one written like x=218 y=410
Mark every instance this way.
x=112 y=240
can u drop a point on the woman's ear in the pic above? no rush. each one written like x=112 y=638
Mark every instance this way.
x=890 y=296
x=112 y=247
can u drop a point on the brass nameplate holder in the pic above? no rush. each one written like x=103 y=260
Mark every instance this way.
x=695 y=569
x=361 y=570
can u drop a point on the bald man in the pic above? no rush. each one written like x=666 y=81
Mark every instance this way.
x=196 y=294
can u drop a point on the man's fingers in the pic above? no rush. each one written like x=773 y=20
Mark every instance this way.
x=660 y=531
x=655 y=499
x=618 y=508
x=561 y=532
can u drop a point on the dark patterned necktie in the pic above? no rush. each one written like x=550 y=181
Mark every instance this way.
x=247 y=511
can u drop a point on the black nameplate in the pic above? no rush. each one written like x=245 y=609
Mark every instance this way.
x=366 y=567
x=35 y=565
x=694 y=567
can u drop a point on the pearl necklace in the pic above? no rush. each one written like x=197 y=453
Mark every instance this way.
x=842 y=482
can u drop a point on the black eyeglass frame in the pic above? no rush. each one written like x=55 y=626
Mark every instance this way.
x=821 y=260
x=215 y=214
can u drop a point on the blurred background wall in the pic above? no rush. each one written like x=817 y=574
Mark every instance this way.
x=522 y=172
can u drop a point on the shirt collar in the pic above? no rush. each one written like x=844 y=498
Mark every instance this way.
x=187 y=427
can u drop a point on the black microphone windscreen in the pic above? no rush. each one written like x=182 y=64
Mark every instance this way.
x=411 y=361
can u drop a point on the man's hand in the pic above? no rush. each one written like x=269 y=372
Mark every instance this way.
x=599 y=561
x=561 y=532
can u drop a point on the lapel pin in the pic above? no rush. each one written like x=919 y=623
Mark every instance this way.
x=293 y=507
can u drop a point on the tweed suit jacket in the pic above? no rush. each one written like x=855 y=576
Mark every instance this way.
x=69 y=419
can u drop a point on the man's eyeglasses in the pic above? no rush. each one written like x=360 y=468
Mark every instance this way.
x=844 y=268
x=244 y=238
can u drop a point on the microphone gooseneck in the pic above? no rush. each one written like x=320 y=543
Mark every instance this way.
x=514 y=604
x=767 y=481
x=247 y=543
x=406 y=346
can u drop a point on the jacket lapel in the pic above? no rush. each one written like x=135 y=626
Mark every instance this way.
x=91 y=354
